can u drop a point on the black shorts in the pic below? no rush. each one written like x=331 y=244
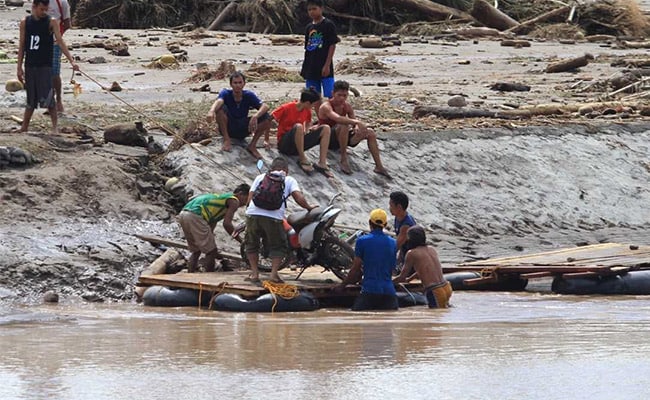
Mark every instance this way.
x=374 y=301
x=334 y=140
x=38 y=84
x=238 y=127
x=287 y=144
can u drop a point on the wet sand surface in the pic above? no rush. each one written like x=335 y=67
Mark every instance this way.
x=488 y=346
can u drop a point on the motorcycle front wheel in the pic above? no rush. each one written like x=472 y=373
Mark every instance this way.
x=337 y=256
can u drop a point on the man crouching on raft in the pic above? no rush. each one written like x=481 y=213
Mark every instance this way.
x=424 y=259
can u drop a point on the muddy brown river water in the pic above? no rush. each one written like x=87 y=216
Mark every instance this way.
x=488 y=346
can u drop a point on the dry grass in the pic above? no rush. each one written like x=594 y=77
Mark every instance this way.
x=367 y=66
x=613 y=17
x=263 y=72
x=558 y=31
x=203 y=74
x=269 y=16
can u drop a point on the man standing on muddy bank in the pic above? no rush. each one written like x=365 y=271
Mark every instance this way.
x=37 y=34
x=231 y=113
x=199 y=217
x=422 y=262
x=59 y=10
x=320 y=43
x=346 y=130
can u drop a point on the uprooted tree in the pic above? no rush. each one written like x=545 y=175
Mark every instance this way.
x=612 y=17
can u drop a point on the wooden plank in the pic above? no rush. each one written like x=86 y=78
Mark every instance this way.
x=480 y=281
x=534 y=275
x=179 y=244
x=588 y=274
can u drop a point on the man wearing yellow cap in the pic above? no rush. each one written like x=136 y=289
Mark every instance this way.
x=373 y=264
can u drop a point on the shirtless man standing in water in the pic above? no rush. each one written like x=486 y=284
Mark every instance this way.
x=424 y=259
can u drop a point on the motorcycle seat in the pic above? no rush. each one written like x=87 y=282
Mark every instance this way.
x=303 y=216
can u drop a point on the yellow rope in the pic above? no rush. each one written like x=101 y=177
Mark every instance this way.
x=283 y=290
x=222 y=286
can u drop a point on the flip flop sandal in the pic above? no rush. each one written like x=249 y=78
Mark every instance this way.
x=385 y=174
x=324 y=171
x=303 y=166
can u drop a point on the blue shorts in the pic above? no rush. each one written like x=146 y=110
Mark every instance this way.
x=56 y=60
x=327 y=85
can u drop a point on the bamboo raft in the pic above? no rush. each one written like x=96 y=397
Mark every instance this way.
x=607 y=259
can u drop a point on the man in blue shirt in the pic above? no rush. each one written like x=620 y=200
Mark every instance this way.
x=397 y=206
x=230 y=110
x=374 y=262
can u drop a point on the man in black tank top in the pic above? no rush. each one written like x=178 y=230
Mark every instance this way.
x=35 y=47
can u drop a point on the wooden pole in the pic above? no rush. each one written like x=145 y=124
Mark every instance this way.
x=570 y=64
x=222 y=16
x=159 y=266
x=489 y=16
x=526 y=26
x=431 y=10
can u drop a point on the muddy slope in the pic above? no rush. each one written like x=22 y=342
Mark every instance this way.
x=67 y=223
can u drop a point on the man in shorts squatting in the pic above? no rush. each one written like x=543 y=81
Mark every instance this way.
x=60 y=10
x=422 y=261
x=320 y=43
x=37 y=34
x=199 y=217
x=231 y=112
x=268 y=224
x=296 y=135
x=374 y=261
x=347 y=130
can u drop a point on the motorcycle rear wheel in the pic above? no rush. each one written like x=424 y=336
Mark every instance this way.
x=337 y=256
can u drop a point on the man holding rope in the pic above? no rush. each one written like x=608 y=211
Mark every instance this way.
x=36 y=49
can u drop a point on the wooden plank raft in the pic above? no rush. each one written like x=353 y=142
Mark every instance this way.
x=593 y=260
x=314 y=280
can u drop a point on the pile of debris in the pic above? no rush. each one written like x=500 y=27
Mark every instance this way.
x=368 y=66
x=204 y=73
x=263 y=72
x=611 y=17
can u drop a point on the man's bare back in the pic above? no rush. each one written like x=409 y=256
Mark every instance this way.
x=424 y=259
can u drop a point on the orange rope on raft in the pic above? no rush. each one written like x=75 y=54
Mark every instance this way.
x=283 y=290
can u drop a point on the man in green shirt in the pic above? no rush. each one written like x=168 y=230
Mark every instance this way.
x=199 y=217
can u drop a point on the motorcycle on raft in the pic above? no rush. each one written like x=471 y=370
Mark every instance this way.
x=311 y=242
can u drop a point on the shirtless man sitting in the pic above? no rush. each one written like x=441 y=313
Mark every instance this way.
x=424 y=259
x=346 y=129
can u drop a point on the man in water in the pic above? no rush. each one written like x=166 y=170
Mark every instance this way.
x=374 y=260
x=424 y=260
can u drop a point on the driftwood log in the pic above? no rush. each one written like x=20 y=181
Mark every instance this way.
x=510 y=87
x=491 y=17
x=528 y=25
x=570 y=64
x=430 y=10
x=477 y=32
x=459 y=113
x=374 y=43
x=222 y=16
x=159 y=266
x=515 y=43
